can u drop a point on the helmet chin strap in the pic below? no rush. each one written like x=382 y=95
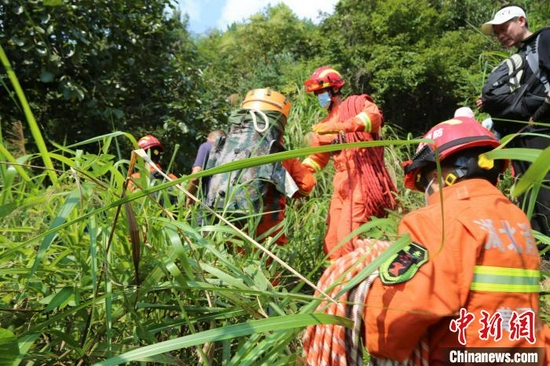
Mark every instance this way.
x=448 y=180
x=455 y=175
x=462 y=167
x=468 y=167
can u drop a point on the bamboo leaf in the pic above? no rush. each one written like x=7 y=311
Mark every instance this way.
x=59 y=299
x=35 y=129
x=514 y=154
x=70 y=203
x=535 y=174
x=8 y=156
x=25 y=342
x=229 y=332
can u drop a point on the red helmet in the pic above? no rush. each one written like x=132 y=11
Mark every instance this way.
x=149 y=141
x=450 y=137
x=324 y=77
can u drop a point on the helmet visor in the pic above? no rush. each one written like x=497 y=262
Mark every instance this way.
x=315 y=84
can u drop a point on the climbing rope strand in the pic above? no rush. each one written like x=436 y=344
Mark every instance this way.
x=354 y=346
x=377 y=187
x=255 y=122
x=325 y=344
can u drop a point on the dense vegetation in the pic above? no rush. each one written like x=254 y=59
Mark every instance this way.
x=90 y=273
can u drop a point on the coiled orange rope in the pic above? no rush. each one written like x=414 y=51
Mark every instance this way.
x=333 y=345
x=377 y=186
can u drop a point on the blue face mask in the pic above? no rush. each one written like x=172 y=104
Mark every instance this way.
x=324 y=99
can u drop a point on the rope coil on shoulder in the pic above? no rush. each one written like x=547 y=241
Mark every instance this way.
x=378 y=187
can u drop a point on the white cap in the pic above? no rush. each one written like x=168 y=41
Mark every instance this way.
x=501 y=17
x=464 y=112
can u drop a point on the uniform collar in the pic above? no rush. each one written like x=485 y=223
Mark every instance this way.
x=462 y=191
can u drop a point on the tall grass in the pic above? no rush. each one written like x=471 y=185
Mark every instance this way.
x=91 y=274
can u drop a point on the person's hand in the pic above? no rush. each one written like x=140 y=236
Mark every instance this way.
x=325 y=128
x=479 y=104
x=308 y=138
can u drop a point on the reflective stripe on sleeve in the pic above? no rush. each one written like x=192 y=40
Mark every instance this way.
x=363 y=117
x=504 y=279
x=312 y=163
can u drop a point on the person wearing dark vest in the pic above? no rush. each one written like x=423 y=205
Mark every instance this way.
x=510 y=28
x=200 y=163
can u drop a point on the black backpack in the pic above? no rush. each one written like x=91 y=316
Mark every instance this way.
x=509 y=94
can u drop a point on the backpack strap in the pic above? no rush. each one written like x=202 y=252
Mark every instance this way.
x=532 y=57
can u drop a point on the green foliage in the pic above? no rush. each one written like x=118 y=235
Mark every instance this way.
x=260 y=53
x=9 y=350
x=93 y=273
x=419 y=59
x=74 y=290
x=68 y=271
x=99 y=66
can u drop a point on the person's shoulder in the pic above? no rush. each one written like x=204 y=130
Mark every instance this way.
x=205 y=145
x=544 y=34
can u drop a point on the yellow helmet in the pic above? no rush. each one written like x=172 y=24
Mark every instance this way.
x=266 y=99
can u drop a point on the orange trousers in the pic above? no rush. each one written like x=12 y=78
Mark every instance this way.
x=347 y=212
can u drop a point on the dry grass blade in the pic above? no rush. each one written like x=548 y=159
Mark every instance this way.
x=17 y=138
x=134 y=238
x=132 y=222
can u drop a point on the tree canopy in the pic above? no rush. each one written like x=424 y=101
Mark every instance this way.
x=97 y=270
x=91 y=67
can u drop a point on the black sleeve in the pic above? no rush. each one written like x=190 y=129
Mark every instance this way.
x=544 y=51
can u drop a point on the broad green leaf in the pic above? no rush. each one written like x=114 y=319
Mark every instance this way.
x=58 y=300
x=9 y=349
x=25 y=343
x=514 y=154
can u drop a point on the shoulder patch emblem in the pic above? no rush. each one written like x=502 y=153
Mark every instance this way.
x=404 y=264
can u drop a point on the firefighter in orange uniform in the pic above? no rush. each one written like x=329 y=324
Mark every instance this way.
x=305 y=182
x=468 y=279
x=154 y=149
x=470 y=276
x=362 y=185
